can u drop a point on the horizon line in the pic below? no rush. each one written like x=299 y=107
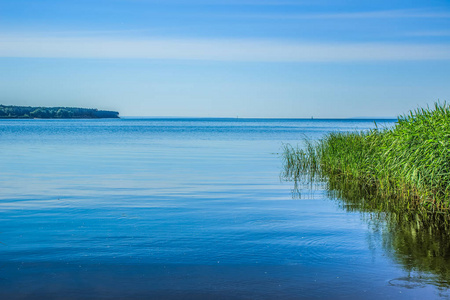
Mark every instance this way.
x=275 y=118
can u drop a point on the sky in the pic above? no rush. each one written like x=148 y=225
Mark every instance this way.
x=218 y=58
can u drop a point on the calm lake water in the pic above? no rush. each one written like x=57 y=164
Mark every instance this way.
x=187 y=208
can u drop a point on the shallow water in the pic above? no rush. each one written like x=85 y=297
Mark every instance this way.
x=193 y=208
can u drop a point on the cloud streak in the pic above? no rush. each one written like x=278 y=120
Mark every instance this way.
x=245 y=50
x=229 y=2
x=430 y=33
x=381 y=14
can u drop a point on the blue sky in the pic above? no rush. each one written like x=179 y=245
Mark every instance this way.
x=222 y=58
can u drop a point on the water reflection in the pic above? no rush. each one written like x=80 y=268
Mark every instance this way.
x=416 y=239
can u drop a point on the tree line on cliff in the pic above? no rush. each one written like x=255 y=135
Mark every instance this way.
x=29 y=112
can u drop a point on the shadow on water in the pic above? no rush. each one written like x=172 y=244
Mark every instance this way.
x=416 y=239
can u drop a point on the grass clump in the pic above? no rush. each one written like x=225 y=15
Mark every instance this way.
x=409 y=162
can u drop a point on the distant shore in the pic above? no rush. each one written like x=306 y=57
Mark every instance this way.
x=30 y=112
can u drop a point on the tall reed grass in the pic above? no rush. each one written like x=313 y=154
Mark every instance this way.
x=409 y=162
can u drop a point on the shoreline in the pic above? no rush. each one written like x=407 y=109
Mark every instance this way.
x=9 y=112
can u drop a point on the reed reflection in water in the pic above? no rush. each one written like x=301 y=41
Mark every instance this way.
x=411 y=236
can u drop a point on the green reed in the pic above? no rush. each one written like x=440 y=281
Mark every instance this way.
x=398 y=178
x=408 y=163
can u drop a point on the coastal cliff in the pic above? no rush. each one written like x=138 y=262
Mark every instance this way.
x=29 y=112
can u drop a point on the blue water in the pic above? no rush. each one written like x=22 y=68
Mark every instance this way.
x=180 y=208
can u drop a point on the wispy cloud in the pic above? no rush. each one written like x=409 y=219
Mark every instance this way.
x=381 y=14
x=216 y=49
x=430 y=33
x=231 y=2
